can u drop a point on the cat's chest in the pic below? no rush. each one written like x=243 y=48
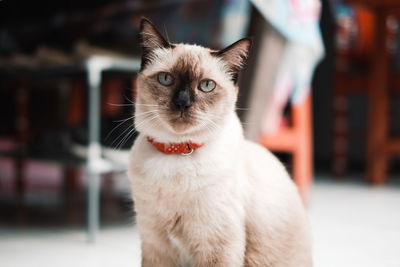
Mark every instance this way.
x=185 y=172
x=175 y=185
x=179 y=182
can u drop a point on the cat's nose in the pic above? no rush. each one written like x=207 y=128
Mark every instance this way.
x=182 y=99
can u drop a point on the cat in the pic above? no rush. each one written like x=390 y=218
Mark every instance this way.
x=203 y=195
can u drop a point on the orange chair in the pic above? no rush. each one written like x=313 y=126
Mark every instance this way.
x=296 y=140
x=256 y=91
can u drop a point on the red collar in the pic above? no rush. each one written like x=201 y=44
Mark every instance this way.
x=186 y=148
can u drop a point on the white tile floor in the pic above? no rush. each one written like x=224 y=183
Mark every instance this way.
x=353 y=225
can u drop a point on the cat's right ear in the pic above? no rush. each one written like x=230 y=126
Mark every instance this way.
x=235 y=56
x=151 y=39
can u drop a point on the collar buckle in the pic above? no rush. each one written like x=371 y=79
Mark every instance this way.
x=187 y=154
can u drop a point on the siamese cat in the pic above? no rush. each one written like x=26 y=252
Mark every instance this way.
x=203 y=195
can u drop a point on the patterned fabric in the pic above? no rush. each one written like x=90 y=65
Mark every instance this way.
x=235 y=16
x=298 y=22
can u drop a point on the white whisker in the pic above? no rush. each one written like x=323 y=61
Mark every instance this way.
x=120 y=105
x=166 y=33
x=127 y=99
x=130 y=118
x=133 y=131
x=119 y=124
x=123 y=120
x=242 y=108
x=147 y=105
x=146 y=112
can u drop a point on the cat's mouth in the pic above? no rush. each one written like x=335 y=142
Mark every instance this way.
x=182 y=122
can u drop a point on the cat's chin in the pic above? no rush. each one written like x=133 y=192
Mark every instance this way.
x=180 y=133
x=182 y=128
x=185 y=130
x=181 y=125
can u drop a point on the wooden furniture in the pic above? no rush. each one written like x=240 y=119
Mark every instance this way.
x=350 y=77
x=380 y=146
x=95 y=165
x=296 y=140
x=256 y=90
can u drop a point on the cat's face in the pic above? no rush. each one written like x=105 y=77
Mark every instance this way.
x=185 y=90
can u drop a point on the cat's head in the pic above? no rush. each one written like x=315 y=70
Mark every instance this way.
x=185 y=91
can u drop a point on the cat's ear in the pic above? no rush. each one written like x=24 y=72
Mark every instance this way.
x=235 y=56
x=150 y=39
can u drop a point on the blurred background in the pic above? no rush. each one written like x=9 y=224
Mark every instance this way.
x=321 y=90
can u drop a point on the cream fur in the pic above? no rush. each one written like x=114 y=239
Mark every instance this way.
x=230 y=203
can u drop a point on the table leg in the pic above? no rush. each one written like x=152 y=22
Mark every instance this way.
x=340 y=128
x=94 y=150
x=378 y=112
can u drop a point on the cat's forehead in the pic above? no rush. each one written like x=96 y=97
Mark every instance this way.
x=184 y=58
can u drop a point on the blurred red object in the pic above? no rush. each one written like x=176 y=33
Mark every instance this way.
x=364 y=67
x=296 y=140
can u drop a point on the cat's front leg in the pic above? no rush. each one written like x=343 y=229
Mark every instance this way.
x=158 y=255
x=229 y=255
x=220 y=250
x=157 y=251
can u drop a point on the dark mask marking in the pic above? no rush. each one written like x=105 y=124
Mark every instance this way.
x=187 y=71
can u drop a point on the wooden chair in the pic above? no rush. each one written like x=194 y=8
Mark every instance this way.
x=376 y=83
x=296 y=140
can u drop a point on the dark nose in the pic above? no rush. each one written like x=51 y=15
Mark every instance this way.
x=182 y=99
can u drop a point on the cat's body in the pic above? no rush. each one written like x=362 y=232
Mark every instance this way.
x=229 y=203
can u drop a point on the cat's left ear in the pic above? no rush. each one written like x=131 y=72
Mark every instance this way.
x=235 y=56
x=151 y=39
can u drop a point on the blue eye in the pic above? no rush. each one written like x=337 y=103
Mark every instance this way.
x=207 y=85
x=165 y=78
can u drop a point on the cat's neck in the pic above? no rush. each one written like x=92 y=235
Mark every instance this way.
x=230 y=129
